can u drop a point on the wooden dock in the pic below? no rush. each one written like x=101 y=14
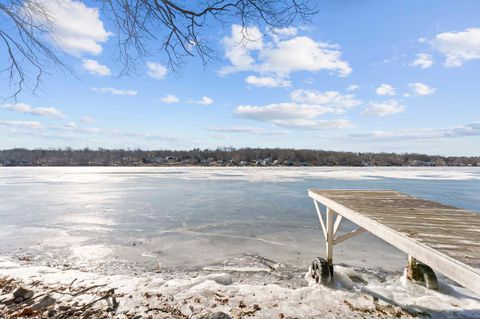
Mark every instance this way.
x=444 y=237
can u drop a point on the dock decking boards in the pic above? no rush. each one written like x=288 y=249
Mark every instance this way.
x=444 y=237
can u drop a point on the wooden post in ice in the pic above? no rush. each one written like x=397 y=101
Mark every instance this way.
x=330 y=235
x=412 y=272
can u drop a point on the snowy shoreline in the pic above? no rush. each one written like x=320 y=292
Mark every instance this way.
x=269 y=290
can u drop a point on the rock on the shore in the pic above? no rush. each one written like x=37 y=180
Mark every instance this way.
x=217 y=315
x=20 y=294
x=44 y=303
x=221 y=279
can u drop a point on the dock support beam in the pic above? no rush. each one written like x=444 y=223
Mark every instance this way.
x=322 y=268
x=330 y=234
x=330 y=228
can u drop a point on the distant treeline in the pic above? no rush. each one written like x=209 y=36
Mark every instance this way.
x=223 y=157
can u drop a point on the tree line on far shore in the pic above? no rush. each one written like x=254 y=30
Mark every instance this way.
x=226 y=156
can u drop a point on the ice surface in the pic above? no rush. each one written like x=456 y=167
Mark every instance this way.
x=109 y=223
x=91 y=175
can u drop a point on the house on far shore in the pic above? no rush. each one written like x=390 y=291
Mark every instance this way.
x=154 y=160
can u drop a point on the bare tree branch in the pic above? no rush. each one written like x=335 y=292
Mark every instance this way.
x=23 y=39
x=176 y=29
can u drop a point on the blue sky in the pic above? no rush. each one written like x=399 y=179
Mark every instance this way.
x=394 y=76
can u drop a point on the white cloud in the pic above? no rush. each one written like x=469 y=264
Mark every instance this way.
x=71 y=130
x=384 y=108
x=170 y=98
x=95 y=68
x=291 y=114
x=70 y=125
x=422 y=40
x=286 y=32
x=115 y=91
x=238 y=48
x=472 y=129
x=27 y=109
x=280 y=57
x=385 y=89
x=238 y=129
x=281 y=111
x=352 y=87
x=87 y=119
x=25 y=124
x=303 y=54
x=156 y=70
x=458 y=47
x=74 y=128
x=267 y=81
x=303 y=111
x=332 y=99
x=205 y=100
x=421 y=89
x=423 y=60
x=311 y=124
x=73 y=26
x=223 y=132
x=278 y=34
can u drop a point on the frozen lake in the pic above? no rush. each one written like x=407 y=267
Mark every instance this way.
x=139 y=218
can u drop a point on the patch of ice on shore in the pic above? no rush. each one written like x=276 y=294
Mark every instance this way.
x=448 y=301
x=63 y=239
x=88 y=253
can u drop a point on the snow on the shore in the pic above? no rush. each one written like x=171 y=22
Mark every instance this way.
x=349 y=296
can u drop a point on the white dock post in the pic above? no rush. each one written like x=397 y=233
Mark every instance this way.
x=330 y=234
